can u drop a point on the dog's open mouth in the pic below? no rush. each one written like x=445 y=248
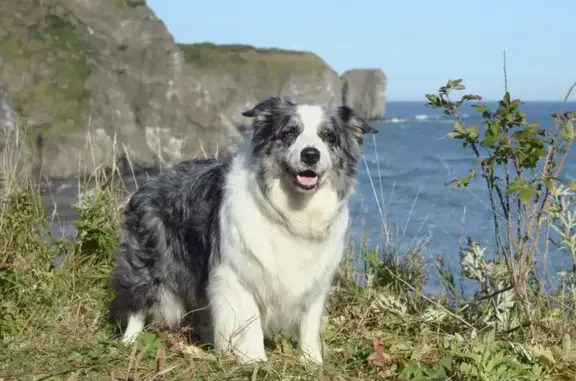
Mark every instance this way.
x=307 y=180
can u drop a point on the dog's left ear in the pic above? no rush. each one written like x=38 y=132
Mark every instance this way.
x=268 y=104
x=348 y=116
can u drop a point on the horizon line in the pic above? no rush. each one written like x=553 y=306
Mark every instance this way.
x=487 y=100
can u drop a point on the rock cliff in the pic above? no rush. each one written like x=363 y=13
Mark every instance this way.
x=365 y=91
x=240 y=75
x=110 y=68
x=8 y=124
x=96 y=80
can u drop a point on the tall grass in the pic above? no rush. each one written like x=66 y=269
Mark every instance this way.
x=53 y=297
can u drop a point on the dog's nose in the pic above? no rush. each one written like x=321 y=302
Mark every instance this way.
x=310 y=155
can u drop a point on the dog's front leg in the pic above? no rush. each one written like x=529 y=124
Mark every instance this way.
x=236 y=318
x=310 y=325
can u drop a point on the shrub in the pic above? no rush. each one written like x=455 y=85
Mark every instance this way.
x=520 y=163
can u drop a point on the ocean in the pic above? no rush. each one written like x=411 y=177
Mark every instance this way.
x=407 y=168
x=403 y=179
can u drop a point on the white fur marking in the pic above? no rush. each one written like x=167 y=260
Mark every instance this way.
x=135 y=326
x=311 y=118
x=170 y=308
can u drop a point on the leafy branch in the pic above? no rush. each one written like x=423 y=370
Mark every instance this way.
x=520 y=163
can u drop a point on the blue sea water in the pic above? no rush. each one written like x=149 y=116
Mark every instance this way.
x=403 y=178
x=407 y=166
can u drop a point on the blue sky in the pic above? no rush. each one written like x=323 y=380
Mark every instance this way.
x=419 y=44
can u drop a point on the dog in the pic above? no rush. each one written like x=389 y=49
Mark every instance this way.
x=253 y=239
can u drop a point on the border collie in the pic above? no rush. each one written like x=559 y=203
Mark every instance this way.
x=254 y=239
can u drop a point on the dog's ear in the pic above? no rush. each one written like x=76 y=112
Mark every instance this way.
x=348 y=116
x=267 y=105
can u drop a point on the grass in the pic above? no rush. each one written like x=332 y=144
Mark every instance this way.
x=54 y=297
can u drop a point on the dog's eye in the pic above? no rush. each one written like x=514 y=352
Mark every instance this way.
x=329 y=137
x=288 y=134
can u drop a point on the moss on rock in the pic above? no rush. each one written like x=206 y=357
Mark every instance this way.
x=45 y=63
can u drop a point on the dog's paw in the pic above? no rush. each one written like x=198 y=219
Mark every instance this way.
x=129 y=339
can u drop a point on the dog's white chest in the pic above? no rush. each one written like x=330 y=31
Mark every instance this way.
x=278 y=264
x=283 y=273
x=284 y=261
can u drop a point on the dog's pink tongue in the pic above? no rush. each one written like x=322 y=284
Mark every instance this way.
x=307 y=181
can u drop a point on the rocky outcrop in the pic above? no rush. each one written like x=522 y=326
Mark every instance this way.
x=365 y=91
x=96 y=81
x=8 y=122
x=89 y=73
x=240 y=75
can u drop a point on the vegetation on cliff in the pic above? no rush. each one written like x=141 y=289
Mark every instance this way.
x=235 y=58
x=45 y=63
x=517 y=325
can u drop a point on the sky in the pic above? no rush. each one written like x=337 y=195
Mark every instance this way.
x=418 y=44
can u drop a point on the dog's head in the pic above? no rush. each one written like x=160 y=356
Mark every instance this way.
x=307 y=146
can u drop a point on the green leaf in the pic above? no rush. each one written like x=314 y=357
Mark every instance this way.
x=489 y=141
x=544 y=355
x=567 y=132
x=459 y=127
x=525 y=190
x=286 y=347
x=526 y=193
x=435 y=101
x=481 y=108
x=446 y=363
x=463 y=181
x=489 y=339
x=471 y=97
x=506 y=99
x=514 y=186
x=459 y=131
x=516 y=104
x=456 y=84
x=494 y=129
x=473 y=132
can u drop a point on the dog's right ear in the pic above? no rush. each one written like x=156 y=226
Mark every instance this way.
x=267 y=105
x=348 y=115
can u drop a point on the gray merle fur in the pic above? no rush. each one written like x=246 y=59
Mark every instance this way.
x=169 y=233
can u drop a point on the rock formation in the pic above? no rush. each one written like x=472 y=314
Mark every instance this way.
x=101 y=80
x=365 y=91
x=86 y=73
x=8 y=125
x=239 y=75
